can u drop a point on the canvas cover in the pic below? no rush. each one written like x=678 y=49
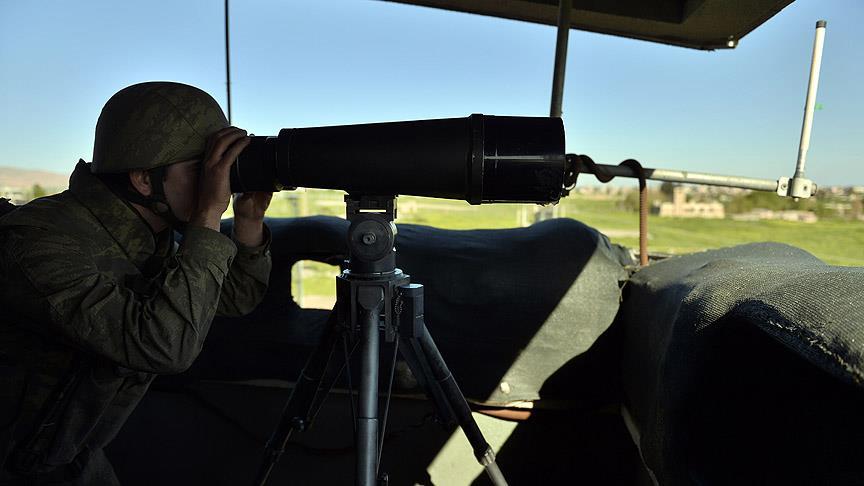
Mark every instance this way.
x=507 y=308
x=745 y=365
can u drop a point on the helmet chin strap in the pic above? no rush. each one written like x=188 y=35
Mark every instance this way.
x=156 y=202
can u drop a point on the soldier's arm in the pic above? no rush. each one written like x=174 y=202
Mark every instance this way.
x=60 y=290
x=247 y=279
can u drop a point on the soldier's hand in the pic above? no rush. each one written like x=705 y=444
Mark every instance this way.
x=251 y=205
x=214 y=184
x=249 y=209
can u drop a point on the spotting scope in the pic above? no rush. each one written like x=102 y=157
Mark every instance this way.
x=480 y=159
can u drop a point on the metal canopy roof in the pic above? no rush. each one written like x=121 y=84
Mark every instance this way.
x=698 y=24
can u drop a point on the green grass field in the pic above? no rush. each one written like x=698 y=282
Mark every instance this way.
x=836 y=242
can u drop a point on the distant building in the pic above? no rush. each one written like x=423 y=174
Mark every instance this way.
x=681 y=208
x=786 y=215
x=839 y=208
x=795 y=215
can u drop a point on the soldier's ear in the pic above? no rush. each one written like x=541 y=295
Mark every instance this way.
x=140 y=180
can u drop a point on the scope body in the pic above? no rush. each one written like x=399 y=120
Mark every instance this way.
x=480 y=159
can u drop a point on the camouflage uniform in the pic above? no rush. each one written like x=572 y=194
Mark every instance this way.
x=95 y=305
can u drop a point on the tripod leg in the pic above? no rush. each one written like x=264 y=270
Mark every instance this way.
x=412 y=352
x=315 y=380
x=482 y=450
x=427 y=351
x=371 y=301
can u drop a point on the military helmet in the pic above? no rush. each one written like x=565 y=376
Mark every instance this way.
x=154 y=124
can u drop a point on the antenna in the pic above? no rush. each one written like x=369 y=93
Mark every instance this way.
x=227 y=63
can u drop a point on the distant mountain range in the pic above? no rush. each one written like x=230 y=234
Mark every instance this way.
x=25 y=179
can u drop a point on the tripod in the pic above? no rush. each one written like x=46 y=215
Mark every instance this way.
x=372 y=296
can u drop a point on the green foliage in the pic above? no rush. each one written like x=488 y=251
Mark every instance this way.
x=38 y=191
x=630 y=202
x=666 y=190
x=768 y=200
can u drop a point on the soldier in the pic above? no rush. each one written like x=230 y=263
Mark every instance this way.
x=118 y=278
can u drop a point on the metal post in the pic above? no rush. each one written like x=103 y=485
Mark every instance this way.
x=558 y=71
x=227 y=63
x=564 y=8
x=798 y=186
x=810 y=104
x=688 y=177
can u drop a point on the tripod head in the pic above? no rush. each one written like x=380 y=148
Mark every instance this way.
x=371 y=261
x=372 y=234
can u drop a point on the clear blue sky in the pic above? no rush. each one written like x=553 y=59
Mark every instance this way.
x=308 y=63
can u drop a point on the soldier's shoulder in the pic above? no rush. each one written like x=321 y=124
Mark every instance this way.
x=54 y=220
x=45 y=212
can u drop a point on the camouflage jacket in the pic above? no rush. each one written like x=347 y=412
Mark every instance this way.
x=85 y=284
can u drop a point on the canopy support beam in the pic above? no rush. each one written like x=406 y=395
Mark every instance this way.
x=564 y=8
